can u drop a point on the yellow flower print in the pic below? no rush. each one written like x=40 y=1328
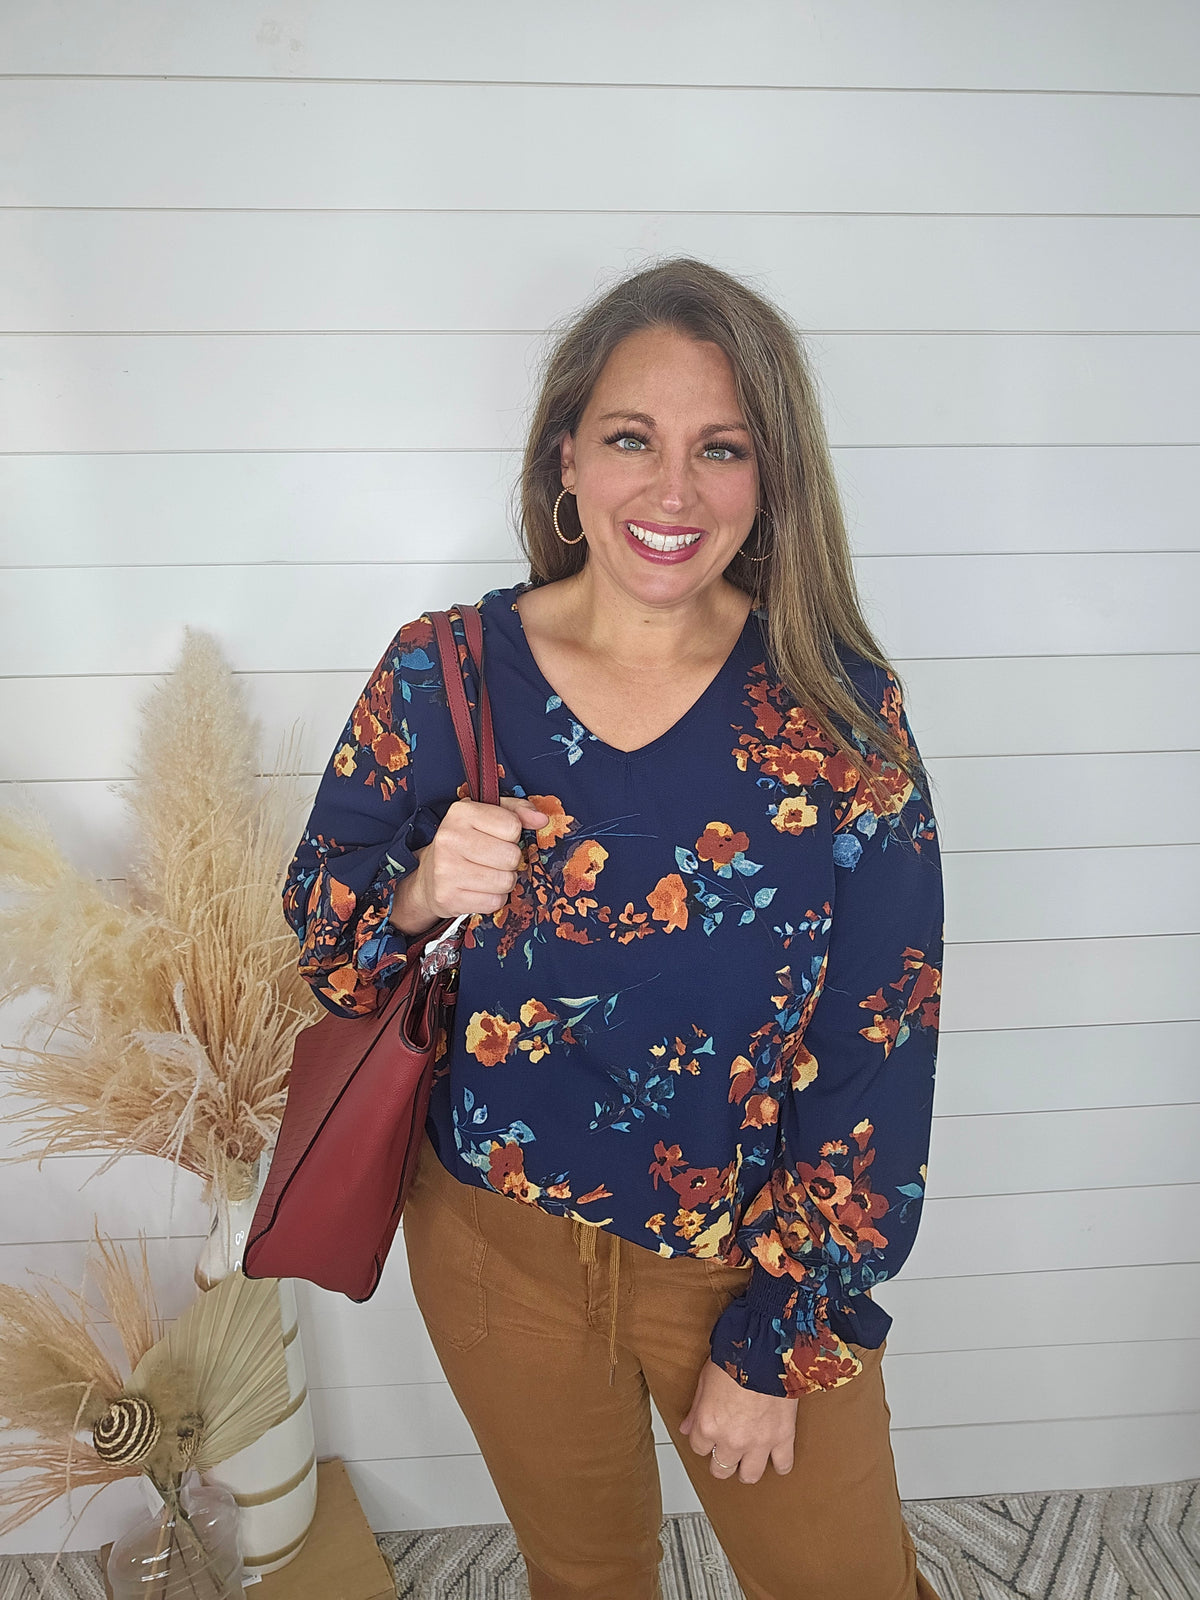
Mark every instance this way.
x=687 y=1223
x=344 y=763
x=489 y=1038
x=794 y=814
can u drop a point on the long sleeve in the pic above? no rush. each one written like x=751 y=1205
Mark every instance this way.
x=365 y=825
x=840 y=1209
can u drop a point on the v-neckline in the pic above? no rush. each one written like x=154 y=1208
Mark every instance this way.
x=594 y=739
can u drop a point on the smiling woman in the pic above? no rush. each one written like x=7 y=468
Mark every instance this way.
x=697 y=1009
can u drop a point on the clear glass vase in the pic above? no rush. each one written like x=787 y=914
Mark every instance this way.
x=189 y=1548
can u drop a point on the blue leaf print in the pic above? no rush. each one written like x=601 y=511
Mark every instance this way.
x=846 y=850
x=867 y=824
x=685 y=860
x=746 y=916
x=416 y=661
x=764 y=898
x=554 y=702
x=746 y=868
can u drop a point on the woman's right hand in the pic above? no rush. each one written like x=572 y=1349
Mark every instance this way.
x=470 y=865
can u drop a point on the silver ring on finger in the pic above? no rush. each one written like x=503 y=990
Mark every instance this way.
x=724 y=1464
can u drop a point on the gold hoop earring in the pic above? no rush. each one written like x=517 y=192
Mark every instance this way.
x=557 y=529
x=759 y=514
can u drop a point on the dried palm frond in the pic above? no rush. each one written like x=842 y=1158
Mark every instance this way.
x=217 y=1380
x=170 y=1021
x=212 y=1384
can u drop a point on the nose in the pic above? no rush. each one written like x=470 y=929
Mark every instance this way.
x=674 y=480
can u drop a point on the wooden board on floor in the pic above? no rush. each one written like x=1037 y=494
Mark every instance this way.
x=340 y=1559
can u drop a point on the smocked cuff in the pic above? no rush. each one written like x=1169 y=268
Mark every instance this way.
x=784 y=1338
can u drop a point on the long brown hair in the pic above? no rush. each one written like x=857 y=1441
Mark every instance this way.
x=806 y=584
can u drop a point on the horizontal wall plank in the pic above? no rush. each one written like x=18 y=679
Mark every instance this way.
x=974 y=799
x=1073 y=1229
x=1035 y=1457
x=972 y=795
x=1046 y=1151
x=214 y=271
x=1067 y=1308
x=151 y=143
x=965 y=713
x=1062 y=1069
x=1065 y=982
x=59 y=1201
x=990 y=986
x=130 y=620
x=1007 y=1153
x=424 y=391
x=1013 y=894
x=965 y=1388
x=1083 y=894
x=1010 y=705
x=369 y=506
x=171 y=1260
x=385 y=1341
x=932 y=44
x=931 y=1463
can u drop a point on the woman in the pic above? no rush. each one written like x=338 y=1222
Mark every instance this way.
x=698 y=1001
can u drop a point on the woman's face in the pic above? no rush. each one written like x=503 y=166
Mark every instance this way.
x=662 y=446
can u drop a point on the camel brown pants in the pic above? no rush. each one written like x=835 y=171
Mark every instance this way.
x=528 y=1318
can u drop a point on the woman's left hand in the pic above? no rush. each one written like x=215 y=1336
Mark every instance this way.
x=748 y=1429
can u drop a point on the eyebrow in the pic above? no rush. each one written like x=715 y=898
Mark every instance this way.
x=640 y=416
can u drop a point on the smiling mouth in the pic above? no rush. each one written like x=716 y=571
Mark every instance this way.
x=662 y=541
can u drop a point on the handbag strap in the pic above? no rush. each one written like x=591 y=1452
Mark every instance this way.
x=479 y=759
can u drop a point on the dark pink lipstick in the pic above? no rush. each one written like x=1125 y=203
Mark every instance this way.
x=671 y=531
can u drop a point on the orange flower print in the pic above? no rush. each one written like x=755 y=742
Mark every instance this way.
x=719 y=844
x=668 y=901
x=365 y=725
x=506 y=1173
x=533 y=1012
x=762 y=1110
x=820 y=1360
x=489 y=1038
x=391 y=751
x=582 y=867
x=794 y=814
x=893 y=1013
x=559 y=824
x=741 y=1080
x=341 y=900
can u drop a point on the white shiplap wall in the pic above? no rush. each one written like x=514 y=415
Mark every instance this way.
x=270 y=292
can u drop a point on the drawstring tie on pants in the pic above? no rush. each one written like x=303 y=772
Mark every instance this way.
x=585 y=1240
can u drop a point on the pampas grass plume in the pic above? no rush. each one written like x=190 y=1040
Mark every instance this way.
x=170 y=1018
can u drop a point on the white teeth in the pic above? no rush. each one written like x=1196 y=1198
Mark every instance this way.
x=661 y=541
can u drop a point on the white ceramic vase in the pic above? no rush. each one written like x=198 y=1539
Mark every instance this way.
x=274 y=1480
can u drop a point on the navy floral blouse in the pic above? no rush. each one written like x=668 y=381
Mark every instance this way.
x=707 y=1016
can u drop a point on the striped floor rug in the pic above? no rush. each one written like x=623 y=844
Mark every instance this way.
x=1105 y=1544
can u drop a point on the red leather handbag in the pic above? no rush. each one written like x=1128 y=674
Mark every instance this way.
x=359 y=1086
